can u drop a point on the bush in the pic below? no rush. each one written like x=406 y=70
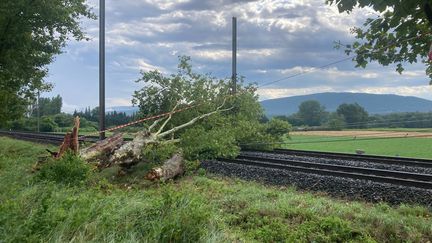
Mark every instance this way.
x=69 y=170
x=278 y=128
x=335 y=122
x=64 y=120
x=47 y=124
x=192 y=166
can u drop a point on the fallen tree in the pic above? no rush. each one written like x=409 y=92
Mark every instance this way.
x=114 y=151
x=214 y=125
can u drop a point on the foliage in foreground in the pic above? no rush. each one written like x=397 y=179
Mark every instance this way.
x=399 y=34
x=194 y=209
x=69 y=170
x=32 y=33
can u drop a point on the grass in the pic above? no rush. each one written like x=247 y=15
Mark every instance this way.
x=191 y=209
x=396 y=129
x=404 y=147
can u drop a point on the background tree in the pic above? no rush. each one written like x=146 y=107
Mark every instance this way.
x=311 y=112
x=400 y=34
x=32 y=32
x=354 y=115
x=335 y=122
x=48 y=106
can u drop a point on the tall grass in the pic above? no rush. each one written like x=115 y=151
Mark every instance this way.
x=193 y=209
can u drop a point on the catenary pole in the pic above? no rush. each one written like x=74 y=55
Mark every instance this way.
x=234 y=55
x=38 y=111
x=102 y=68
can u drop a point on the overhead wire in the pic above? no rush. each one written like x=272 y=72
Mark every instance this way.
x=314 y=69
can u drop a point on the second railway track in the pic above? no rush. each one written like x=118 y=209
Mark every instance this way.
x=376 y=175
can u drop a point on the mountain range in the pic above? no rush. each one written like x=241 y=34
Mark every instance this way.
x=373 y=103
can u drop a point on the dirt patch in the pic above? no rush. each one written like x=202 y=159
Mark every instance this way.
x=363 y=133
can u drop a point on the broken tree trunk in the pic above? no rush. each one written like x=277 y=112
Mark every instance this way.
x=130 y=152
x=170 y=169
x=101 y=151
x=74 y=136
x=70 y=141
x=67 y=140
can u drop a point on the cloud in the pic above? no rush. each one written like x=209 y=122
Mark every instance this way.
x=276 y=39
x=111 y=102
x=68 y=108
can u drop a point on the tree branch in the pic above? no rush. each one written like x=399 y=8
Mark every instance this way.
x=175 y=129
x=168 y=119
x=154 y=124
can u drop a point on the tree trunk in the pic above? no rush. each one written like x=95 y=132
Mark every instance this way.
x=102 y=150
x=170 y=169
x=70 y=141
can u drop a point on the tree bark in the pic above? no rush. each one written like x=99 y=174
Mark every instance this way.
x=170 y=169
x=70 y=141
x=74 y=136
x=67 y=140
x=101 y=151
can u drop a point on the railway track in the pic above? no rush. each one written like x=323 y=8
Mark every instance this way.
x=46 y=138
x=401 y=178
x=368 y=158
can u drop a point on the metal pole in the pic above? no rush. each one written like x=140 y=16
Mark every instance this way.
x=102 y=68
x=38 y=112
x=234 y=55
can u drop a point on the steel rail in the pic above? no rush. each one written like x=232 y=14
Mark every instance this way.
x=345 y=168
x=356 y=157
x=301 y=167
x=46 y=138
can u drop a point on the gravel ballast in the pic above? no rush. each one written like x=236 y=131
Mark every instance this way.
x=335 y=186
x=356 y=163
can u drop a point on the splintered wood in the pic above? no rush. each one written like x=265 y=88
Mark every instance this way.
x=70 y=141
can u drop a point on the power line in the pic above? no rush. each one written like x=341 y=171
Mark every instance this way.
x=313 y=69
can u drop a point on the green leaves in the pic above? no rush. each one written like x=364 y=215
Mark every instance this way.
x=400 y=34
x=31 y=33
x=218 y=135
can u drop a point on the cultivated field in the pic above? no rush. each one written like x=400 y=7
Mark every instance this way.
x=365 y=133
x=406 y=143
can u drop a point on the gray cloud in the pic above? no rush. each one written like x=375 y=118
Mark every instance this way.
x=275 y=39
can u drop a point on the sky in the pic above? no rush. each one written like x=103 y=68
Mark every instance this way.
x=276 y=39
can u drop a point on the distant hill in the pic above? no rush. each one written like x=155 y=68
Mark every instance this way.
x=373 y=103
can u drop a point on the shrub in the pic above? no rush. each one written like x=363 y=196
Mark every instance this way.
x=192 y=166
x=69 y=170
x=278 y=128
x=47 y=124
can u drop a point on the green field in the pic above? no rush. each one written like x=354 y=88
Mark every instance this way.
x=195 y=208
x=398 y=129
x=404 y=147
